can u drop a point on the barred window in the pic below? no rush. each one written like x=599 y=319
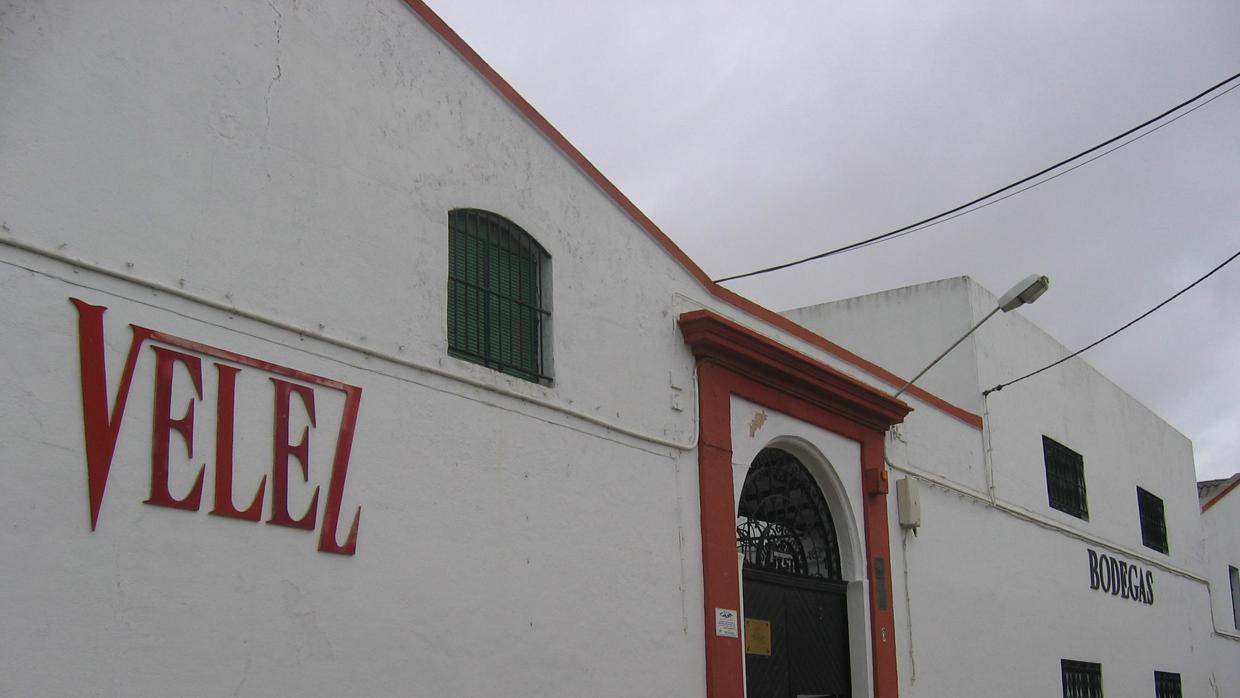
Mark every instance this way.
x=1065 y=479
x=1166 y=685
x=1081 y=679
x=1153 y=521
x=498 y=310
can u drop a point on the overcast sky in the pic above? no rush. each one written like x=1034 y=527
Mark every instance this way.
x=758 y=132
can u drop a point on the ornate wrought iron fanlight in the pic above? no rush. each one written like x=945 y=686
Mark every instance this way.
x=783 y=522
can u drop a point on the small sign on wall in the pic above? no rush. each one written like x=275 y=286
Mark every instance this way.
x=758 y=637
x=1120 y=578
x=726 y=623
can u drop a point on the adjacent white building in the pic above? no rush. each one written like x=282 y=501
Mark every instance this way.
x=1077 y=535
x=331 y=368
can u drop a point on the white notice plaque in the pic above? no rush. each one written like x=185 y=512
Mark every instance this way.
x=725 y=623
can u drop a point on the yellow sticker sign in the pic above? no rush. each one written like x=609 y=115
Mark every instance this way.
x=757 y=636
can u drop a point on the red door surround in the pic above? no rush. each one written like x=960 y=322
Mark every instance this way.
x=734 y=360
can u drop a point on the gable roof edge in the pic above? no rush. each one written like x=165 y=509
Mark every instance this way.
x=1231 y=485
x=527 y=110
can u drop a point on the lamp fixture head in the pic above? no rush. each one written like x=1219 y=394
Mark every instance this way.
x=1027 y=291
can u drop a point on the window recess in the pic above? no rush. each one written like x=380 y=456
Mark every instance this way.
x=1233 y=576
x=1153 y=521
x=1065 y=479
x=1166 y=685
x=1081 y=679
x=498 y=301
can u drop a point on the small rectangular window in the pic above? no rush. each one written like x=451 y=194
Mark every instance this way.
x=1081 y=679
x=1234 y=575
x=1153 y=521
x=1166 y=685
x=1065 y=479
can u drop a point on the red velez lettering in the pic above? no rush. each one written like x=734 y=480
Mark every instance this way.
x=101 y=428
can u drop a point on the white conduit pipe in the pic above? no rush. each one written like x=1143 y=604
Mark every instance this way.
x=368 y=351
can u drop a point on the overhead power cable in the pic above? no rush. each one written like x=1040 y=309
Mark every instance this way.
x=1139 y=318
x=1053 y=177
x=960 y=210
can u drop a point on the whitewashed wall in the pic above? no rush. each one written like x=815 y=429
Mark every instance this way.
x=1221 y=523
x=992 y=603
x=274 y=179
x=297 y=161
x=999 y=578
x=501 y=548
x=903 y=330
x=1124 y=445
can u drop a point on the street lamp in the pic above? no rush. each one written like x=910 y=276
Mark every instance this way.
x=1027 y=291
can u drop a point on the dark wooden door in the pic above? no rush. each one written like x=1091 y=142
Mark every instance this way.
x=807 y=622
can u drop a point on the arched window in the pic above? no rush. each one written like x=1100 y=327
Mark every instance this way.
x=498 y=315
x=783 y=523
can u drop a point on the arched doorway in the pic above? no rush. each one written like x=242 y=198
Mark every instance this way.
x=795 y=605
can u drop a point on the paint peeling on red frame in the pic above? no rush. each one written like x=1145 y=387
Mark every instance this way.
x=734 y=360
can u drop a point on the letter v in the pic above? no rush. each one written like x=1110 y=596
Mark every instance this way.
x=99 y=429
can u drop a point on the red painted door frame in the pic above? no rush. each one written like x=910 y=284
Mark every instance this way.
x=733 y=360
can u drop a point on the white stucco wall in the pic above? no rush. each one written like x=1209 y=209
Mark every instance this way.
x=275 y=181
x=489 y=558
x=996 y=602
x=1124 y=445
x=1001 y=575
x=296 y=161
x=1220 y=524
x=284 y=173
x=903 y=330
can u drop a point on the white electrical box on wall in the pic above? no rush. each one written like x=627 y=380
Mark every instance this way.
x=908 y=502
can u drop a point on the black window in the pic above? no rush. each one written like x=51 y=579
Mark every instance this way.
x=498 y=311
x=1166 y=685
x=1081 y=679
x=1153 y=521
x=1233 y=575
x=1065 y=478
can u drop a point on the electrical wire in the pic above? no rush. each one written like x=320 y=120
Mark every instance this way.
x=1139 y=318
x=1055 y=176
x=961 y=209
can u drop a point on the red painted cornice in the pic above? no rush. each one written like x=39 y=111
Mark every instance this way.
x=713 y=337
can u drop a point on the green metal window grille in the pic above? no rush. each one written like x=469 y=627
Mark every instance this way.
x=1167 y=685
x=1065 y=479
x=1081 y=679
x=496 y=310
x=1153 y=521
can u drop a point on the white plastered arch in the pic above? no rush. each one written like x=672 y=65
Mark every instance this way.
x=834 y=462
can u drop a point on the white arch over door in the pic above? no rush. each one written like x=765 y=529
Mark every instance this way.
x=835 y=464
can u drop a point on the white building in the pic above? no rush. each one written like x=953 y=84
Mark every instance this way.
x=333 y=369
x=1220 y=519
x=1077 y=482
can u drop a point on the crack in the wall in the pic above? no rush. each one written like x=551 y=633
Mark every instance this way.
x=279 y=71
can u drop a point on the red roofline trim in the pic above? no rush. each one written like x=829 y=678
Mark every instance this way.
x=1214 y=500
x=736 y=300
